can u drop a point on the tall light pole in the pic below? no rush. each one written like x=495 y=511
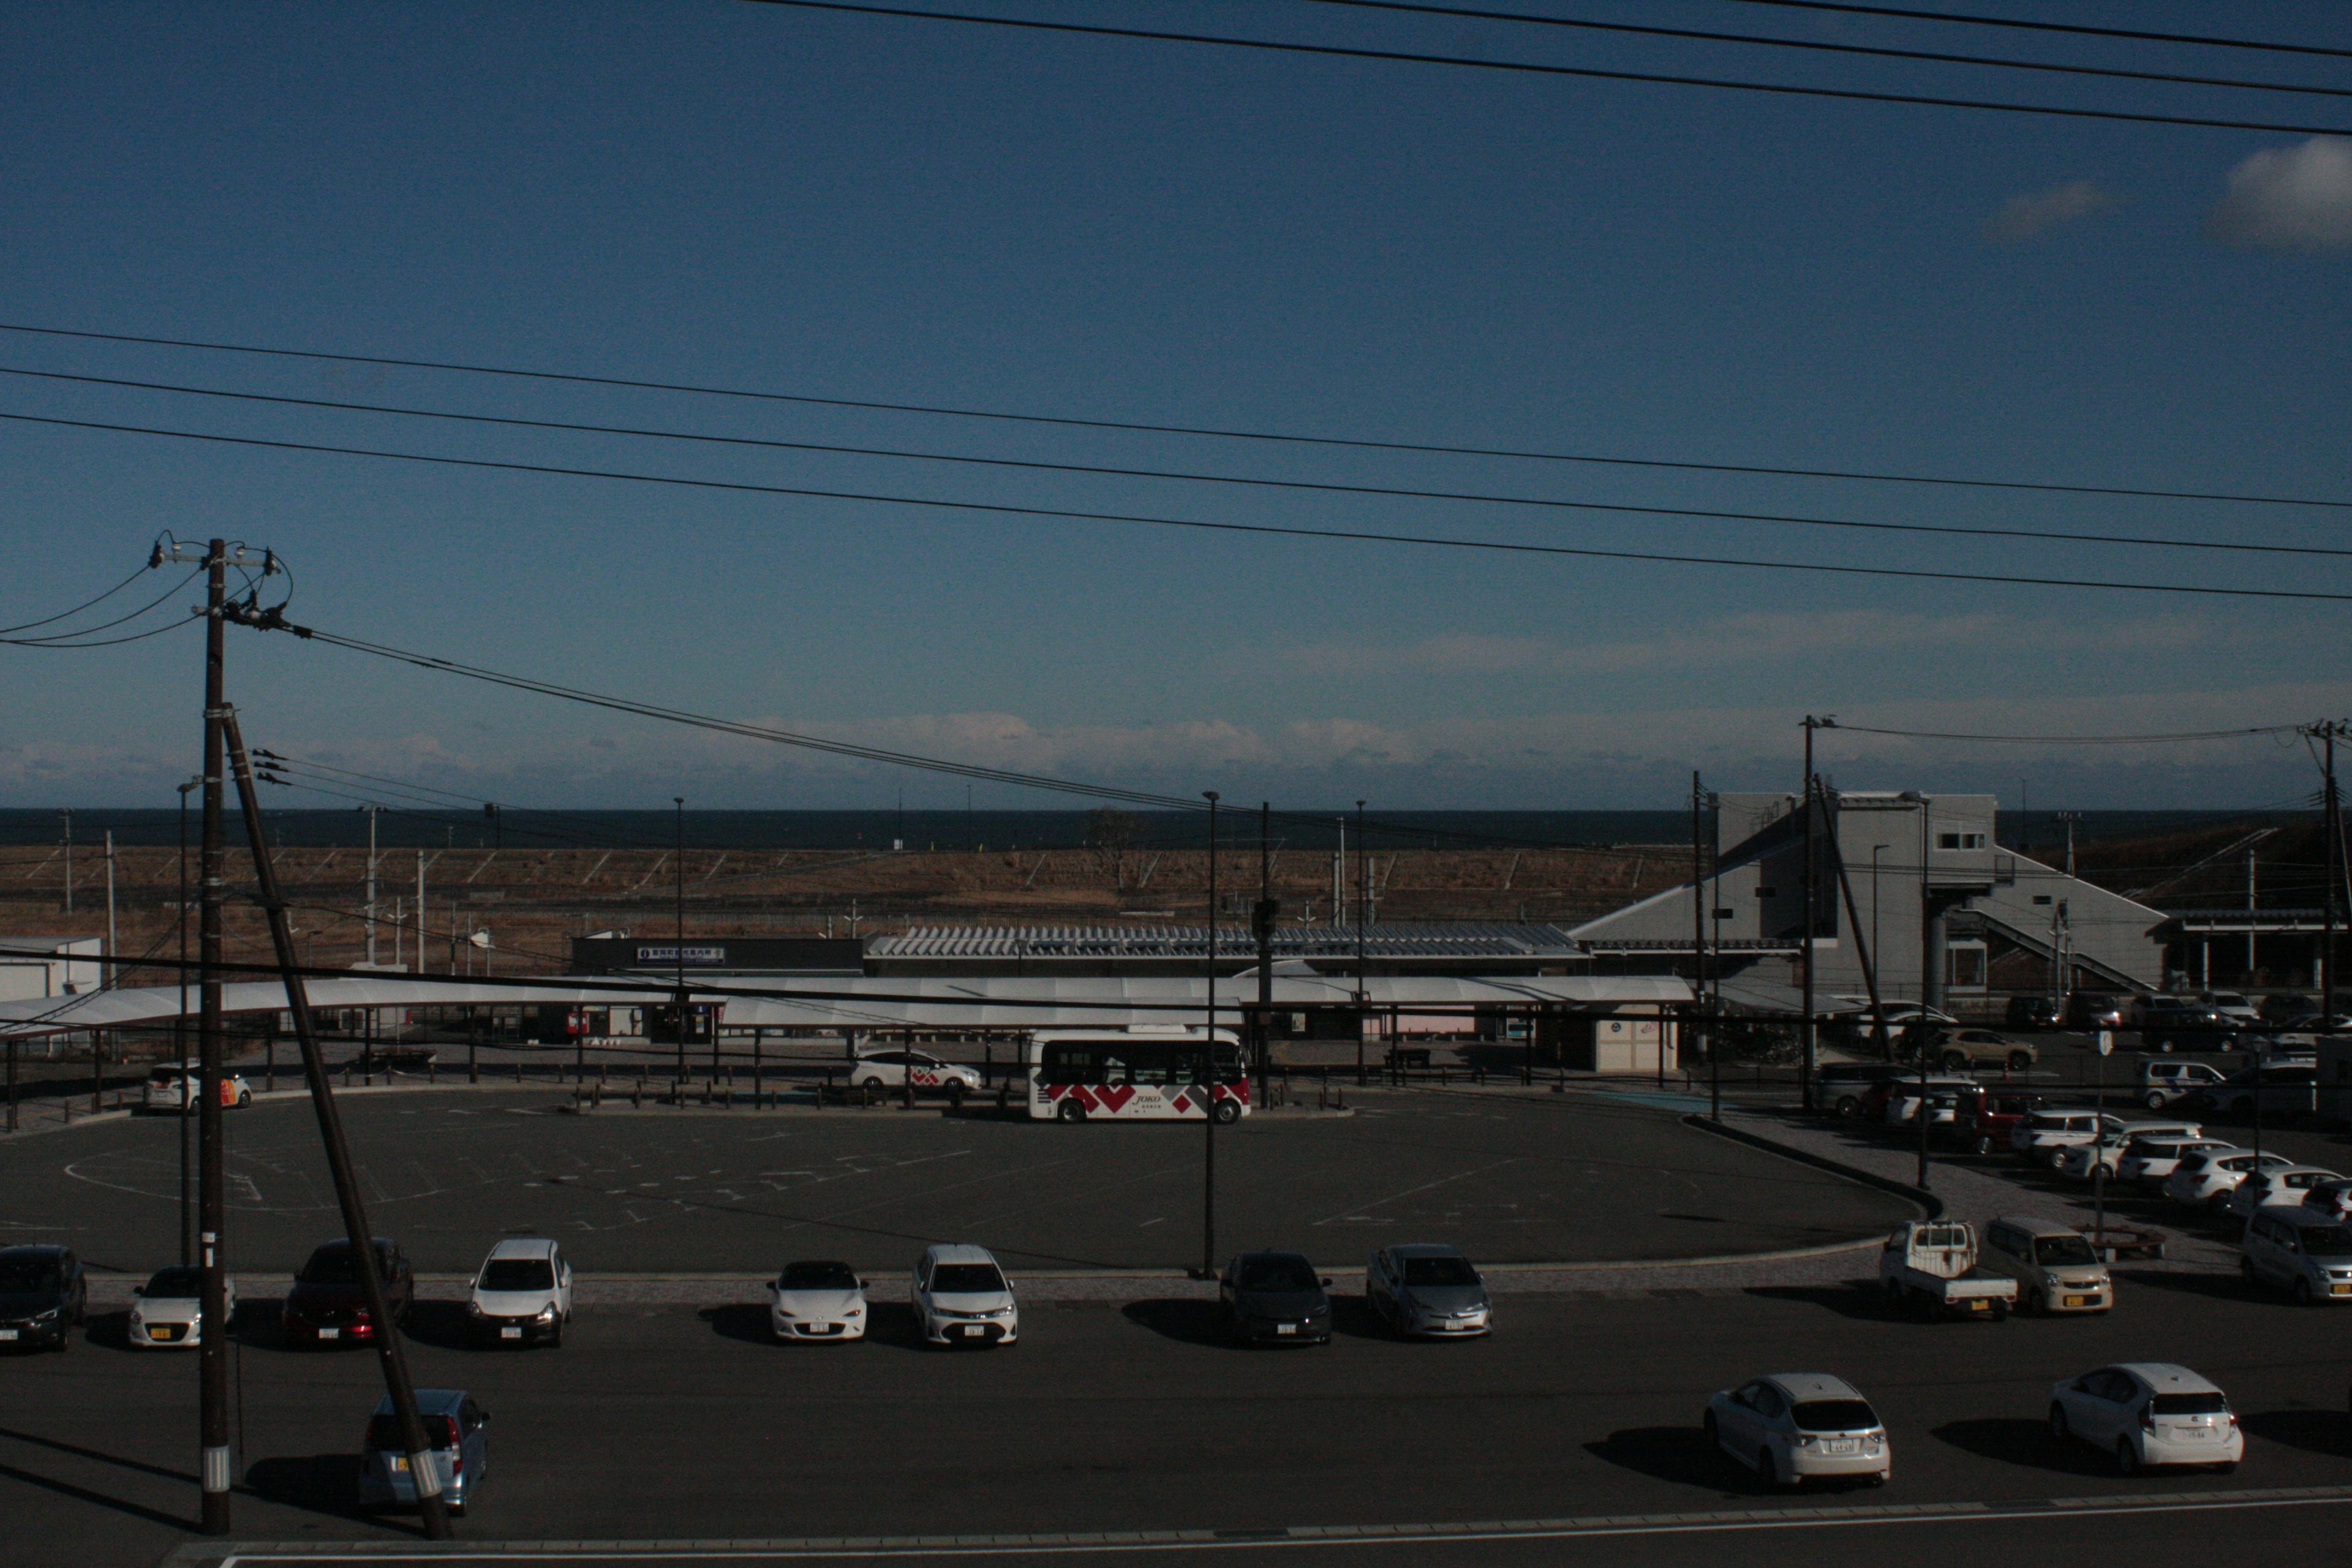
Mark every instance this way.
x=679 y=801
x=1363 y=898
x=1209 y=1071
x=1877 y=953
x=371 y=811
x=68 y=814
x=180 y=1045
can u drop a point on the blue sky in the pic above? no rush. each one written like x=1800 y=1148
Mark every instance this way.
x=876 y=208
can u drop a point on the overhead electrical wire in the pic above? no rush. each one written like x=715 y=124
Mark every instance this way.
x=1820 y=45
x=78 y=609
x=1530 y=68
x=1138 y=427
x=83 y=636
x=1179 y=476
x=1268 y=529
x=2078 y=30
x=2179 y=736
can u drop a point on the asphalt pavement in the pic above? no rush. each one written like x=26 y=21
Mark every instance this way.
x=447 y=1172
x=678 y=1424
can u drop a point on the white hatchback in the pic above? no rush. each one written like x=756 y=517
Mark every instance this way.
x=2146 y=1163
x=2286 y=1185
x=962 y=1298
x=2075 y=1159
x=167 y=1312
x=2206 y=1181
x=895 y=1070
x=2043 y=1133
x=174 y=1086
x=523 y=1293
x=1798 y=1425
x=817 y=1301
x=2146 y=1413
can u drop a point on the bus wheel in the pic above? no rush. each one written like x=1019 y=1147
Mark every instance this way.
x=1226 y=1113
x=1069 y=1110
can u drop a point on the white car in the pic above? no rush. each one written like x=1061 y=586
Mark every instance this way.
x=167 y=1312
x=2149 y=1413
x=2233 y=1007
x=2332 y=1200
x=2146 y=1163
x=962 y=1298
x=2043 y=1133
x=2075 y=1159
x=2161 y=1083
x=2206 y=1181
x=1896 y=1013
x=1795 y=1426
x=2285 y=1184
x=817 y=1301
x=174 y=1086
x=522 y=1295
x=892 y=1069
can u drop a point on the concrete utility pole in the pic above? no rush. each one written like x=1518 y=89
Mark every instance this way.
x=179 y=1044
x=67 y=814
x=1700 y=904
x=1261 y=920
x=113 y=974
x=679 y=801
x=1363 y=901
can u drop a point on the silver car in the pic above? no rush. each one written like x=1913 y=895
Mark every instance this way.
x=2299 y=1250
x=1427 y=1289
x=1798 y=1425
x=456 y=1435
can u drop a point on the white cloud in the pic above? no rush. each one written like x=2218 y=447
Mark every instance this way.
x=2289 y=198
x=2021 y=218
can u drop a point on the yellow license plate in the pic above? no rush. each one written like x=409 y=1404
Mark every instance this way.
x=2076 y=1300
x=158 y=1333
x=2340 y=1289
x=1980 y=1306
x=400 y=1463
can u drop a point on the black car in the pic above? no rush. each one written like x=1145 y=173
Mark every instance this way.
x=1275 y=1297
x=2031 y=1013
x=2094 y=1010
x=2280 y=1006
x=2166 y=1024
x=43 y=1297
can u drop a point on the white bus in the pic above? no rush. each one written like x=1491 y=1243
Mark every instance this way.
x=1145 y=1072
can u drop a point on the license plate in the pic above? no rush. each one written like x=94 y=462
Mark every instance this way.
x=7 y=1333
x=510 y=1334
x=970 y=1330
x=2340 y=1289
x=1843 y=1446
x=158 y=1333
x=2075 y=1300
x=400 y=1463
x=1980 y=1306
x=1285 y=1328
x=2192 y=1433
x=330 y=1334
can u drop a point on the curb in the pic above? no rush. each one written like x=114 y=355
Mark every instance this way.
x=1931 y=1205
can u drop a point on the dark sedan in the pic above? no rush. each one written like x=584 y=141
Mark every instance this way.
x=1275 y=1297
x=42 y=1297
x=328 y=1305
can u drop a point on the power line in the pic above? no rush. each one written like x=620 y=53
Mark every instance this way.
x=70 y=639
x=1965 y=19
x=78 y=609
x=1271 y=529
x=1182 y=475
x=1531 y=68
x=1818 y=46
x=1137 y=427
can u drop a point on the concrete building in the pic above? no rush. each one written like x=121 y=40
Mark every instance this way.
x=37 y=966
x=1913 y=886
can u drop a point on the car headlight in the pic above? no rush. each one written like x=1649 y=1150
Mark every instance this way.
x=546 y=1314
x=473 y=1309
x=48 y=1317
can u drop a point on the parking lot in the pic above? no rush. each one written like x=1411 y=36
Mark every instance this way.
x=662 y=1190
x=1125 y=1416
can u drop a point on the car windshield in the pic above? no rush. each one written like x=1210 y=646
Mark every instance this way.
x=518 y=1273
x=29 y=1274
x=2052 y=1249
x=966 y=1279
x=2326 y=1240
x=817 y=1276
x=335 y=1265
x=2210 y=1403
x=175 y=1284
x=1833 y=1415
x=1276 y=1274
x=1439 y=1271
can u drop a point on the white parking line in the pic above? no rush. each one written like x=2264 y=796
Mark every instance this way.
x=1062 y=1543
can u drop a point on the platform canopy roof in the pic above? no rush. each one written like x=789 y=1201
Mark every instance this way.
x=990 y=1002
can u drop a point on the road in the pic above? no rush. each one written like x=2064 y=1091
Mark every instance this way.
x=673 y=1424
x=448 y=1172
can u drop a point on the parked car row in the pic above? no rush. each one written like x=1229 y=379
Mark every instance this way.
x=1792 y=1427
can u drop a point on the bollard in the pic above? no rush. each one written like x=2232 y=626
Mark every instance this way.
x=432 y=1070
x=637 y=1095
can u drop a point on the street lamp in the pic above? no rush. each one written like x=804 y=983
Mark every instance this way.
x=1209 y=1071
x=1878 y=960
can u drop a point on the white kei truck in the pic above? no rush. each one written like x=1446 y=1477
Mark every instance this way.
x=1929 y=1265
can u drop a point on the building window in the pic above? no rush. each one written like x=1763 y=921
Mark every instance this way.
x=1964 y=968
x=2041 y=898
x=1960 y=841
